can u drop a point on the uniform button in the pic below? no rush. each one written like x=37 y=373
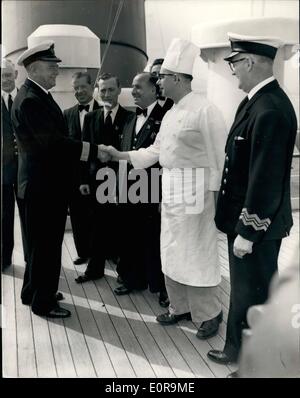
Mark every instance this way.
x=223 y=192
x=133 y=147
x=225 y=181
x=226 y=158
x=226 y=170
x=135 y=140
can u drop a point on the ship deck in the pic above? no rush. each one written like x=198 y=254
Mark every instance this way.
x=108 y=336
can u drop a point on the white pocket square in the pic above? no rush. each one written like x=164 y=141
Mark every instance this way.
x=239 y=138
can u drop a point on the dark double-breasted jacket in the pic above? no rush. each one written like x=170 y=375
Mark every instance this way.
x=46 y=153
x=254 y=198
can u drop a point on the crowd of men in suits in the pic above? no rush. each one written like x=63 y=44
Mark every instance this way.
x=156 y=246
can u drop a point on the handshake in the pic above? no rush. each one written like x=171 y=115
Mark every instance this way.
x=108 y=153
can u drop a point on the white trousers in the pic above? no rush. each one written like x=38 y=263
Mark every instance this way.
x=202 y=302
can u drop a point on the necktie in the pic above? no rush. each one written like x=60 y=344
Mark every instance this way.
x=9 y=103
x=140 y=111
x=109 y=136
x=83 y=107
x=108 y=122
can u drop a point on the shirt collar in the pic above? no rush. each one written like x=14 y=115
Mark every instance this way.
x=260 y=85
x=46 y=91
x=113 y=111
x=150 y=108
x=13 y=94
x=90 y=104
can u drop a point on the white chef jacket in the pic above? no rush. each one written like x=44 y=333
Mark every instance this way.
x=192 y=136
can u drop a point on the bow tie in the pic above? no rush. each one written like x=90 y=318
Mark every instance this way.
x=140 y=111
x=83 y=107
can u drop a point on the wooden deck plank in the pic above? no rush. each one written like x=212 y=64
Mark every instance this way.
x=76 y=337
x=137 y=358
x=202 y=346
x=165 y=344
x=150 y=347
x=43 y=348
x=8 y=325
x=184 y=346
x=108 y=335
x=169 y=349
x=27 y=366
x=120 y=362
x=43 y=352
x=95 y=345
x=135 y=354
x=61 y=350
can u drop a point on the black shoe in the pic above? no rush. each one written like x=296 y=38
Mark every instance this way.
x=219 y=357
x=122 y=290
x=59 y=296
x=85 y=278
x=56 y=312
x=80 y=260
x=233 y=375
x=163 y=299
x=209 y=328
x=171 y=319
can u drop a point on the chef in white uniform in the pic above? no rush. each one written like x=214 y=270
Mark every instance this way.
x=190 y=148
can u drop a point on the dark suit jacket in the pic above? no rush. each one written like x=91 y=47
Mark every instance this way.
x=254 y=199
x=71 y=116
x=145 y=137
x=9 y=159
x=46 y=153
x=94 y=132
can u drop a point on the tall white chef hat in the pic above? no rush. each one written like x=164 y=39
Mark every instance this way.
x=180 y=56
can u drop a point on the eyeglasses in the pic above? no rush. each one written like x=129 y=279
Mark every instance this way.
x=163 y=75
x=231 y=63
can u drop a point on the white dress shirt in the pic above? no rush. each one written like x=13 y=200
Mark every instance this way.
x=84 y=112
x=5 y=96
x=141 y=119
x=112 y=111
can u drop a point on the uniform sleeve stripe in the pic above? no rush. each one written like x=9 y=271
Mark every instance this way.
x=254 y=221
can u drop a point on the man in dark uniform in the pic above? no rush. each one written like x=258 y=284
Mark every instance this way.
x=103 y=126
x=80 y=205
x=46 y=158
x=254 y=204
x=165 y=103
x=9 y=167
x=140 y=264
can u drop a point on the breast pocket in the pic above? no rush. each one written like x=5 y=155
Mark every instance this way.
x=241 y=150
